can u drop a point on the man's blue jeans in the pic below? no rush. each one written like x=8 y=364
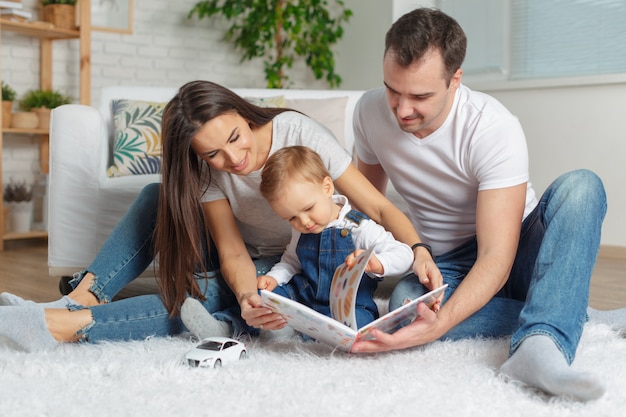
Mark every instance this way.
x=127 y=252
x=548 y=289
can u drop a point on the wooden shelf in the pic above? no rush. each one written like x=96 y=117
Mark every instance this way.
x=27 y=235
x=47 y=34
x=25 y=131
x=43 y=30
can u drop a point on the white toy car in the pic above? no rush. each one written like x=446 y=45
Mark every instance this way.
x=213 y=352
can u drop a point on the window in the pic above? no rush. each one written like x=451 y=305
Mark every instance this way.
x=541 y=39
x=485 y=23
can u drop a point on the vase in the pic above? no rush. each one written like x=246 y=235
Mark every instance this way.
x=20 y=216
x=7 y=108
x=43 y=113
x=24 y=120
x=63 y=16
x=5 y=226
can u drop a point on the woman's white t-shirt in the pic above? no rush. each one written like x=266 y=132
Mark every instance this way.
x=263 y=231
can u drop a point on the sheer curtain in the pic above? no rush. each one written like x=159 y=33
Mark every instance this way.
x=534 y=39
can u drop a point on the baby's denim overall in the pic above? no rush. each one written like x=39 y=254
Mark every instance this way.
x=320 y=254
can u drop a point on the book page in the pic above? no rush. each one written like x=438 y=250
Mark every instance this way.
x=344 y=287
x=402 y=316
x=310 y=322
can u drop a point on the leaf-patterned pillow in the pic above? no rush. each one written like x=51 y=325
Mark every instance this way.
x=137 y=137
x=275 y=101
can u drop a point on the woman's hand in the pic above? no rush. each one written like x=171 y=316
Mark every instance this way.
x=256 y=315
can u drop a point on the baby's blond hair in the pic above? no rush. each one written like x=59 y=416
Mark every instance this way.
x=291 y=163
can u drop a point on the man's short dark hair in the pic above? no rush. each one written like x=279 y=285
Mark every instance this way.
x=423 y=29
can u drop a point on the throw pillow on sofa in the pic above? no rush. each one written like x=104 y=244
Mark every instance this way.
x=330 y=112
x=137 y=137
x=275 y=101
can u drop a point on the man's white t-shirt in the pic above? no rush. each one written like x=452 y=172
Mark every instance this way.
x=262 y=230
x=480 y=146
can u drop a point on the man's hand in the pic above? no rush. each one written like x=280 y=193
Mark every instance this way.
x=426 y=270
x=425 y=329
x=256 y=315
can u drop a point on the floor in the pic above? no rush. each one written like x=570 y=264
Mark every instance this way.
x=24 y=271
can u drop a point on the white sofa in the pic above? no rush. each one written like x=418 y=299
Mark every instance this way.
x=85 y=204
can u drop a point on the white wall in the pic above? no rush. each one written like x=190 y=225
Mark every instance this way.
x=359 y=54
x=567 y=128
x=577 y=127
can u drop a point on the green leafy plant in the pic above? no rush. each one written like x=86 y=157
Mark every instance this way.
x=8 y=93
x=281 y=31
x=17 y=192
x=50 y=99
x=47 y=2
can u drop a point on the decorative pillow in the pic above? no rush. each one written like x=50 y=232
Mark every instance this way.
x=137 y=137
x=328 y=111
x=276 y=101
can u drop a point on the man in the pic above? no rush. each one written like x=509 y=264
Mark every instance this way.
x=515 y=265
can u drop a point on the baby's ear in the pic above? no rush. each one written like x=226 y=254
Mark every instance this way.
x=328 y=185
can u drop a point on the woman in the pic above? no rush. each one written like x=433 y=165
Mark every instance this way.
x=214 y=146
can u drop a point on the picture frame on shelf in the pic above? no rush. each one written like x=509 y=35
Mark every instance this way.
x=112 y=15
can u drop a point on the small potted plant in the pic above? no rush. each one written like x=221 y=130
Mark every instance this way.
x=61 y=13
x=41 y=102
x=8 y=96
x=18 y=196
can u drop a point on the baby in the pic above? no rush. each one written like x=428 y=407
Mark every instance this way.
x=326 y=231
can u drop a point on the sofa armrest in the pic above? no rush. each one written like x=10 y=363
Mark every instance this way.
x=78 y=158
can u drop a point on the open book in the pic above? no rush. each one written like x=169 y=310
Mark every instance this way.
x=341 y=330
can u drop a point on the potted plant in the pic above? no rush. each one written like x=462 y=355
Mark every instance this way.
x=8 y=96
x=18 y=196
x=61 y=13
x=26 y=119
x=282 y=31
x=41 y=102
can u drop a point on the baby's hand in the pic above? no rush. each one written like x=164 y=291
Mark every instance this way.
x=265 y=282
x=373 y=265
x=351 y=259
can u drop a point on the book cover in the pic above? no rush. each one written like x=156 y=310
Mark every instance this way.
x=340 y=330
x=7 y=13
x=11 y=4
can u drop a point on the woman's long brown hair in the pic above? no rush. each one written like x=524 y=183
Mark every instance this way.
x=179 y=232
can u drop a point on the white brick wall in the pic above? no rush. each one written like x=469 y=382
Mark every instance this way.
x=165 y=49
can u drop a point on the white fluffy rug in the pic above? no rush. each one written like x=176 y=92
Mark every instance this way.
x=293 y=378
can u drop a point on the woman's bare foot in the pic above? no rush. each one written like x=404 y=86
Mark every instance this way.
x=82 y=293
x=64 y=325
